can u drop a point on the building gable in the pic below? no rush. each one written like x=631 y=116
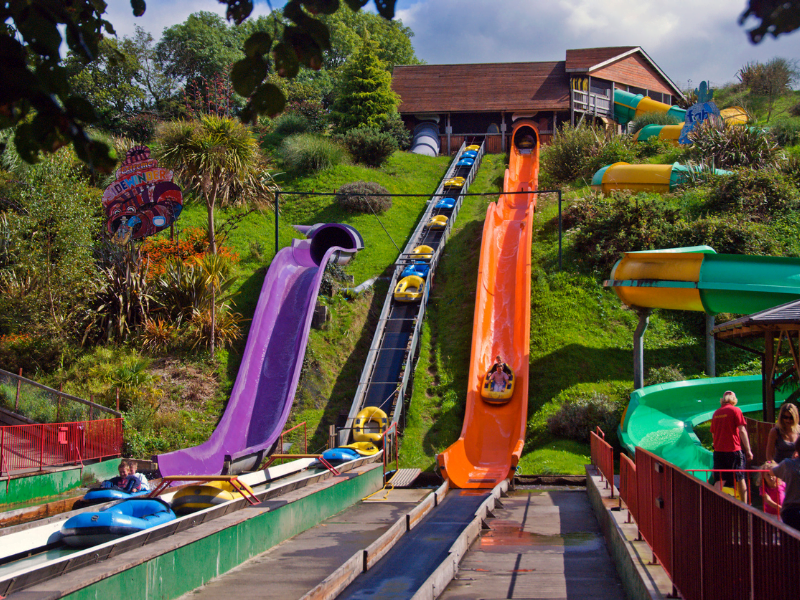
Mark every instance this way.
x=636 y=70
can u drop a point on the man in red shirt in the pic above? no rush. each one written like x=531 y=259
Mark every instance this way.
x=730 y=435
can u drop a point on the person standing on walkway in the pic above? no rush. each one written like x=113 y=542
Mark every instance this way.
x=789 y=471
x=782 y=437
x=730 y=435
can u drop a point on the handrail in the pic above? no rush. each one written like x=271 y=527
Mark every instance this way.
x=61 y=394
x=305 y=435
x=395 y=447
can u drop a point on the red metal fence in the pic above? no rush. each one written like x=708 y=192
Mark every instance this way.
x=26 y=447
x=712 y=546
x=603 y=457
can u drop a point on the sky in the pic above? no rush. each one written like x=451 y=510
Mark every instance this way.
x=690 y=41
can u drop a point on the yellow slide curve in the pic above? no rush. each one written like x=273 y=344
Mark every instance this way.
x=493 y=435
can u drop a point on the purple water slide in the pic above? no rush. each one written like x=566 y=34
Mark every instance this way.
x=273 y=358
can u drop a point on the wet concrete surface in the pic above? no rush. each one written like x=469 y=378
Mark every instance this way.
x=290 y=569
x=543 y=543
x=399 y=574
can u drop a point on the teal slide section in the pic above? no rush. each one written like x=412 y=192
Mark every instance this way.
x=661 y=418
x=626 y=105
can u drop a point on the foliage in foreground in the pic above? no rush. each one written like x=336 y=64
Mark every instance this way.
x=307 y=153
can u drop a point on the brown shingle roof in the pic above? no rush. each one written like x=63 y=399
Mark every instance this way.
x=586 y=58
x=785 y=316
x=482 y=88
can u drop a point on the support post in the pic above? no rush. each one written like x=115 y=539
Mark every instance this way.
x=559 y=230
x=711 y=347
x=19 y=383
x=332 y=436
x=277 y=211
x=638 y=346
x=769 y=389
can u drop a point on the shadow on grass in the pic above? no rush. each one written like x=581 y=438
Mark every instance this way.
x=343 y=392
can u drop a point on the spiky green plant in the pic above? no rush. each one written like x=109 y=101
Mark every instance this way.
x=218 y=158
x=726 y=146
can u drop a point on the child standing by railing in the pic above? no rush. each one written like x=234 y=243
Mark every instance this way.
x=773 y=491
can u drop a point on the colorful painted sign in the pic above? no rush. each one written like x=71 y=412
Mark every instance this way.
x=694 y=116
x=143 y=200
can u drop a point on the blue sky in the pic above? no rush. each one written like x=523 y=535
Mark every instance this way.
x=689 y=40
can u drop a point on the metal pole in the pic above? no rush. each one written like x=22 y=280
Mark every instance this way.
x=277 y=211
x=638 y=347
x=559 y=230
x=711 y=348
x=19 y=383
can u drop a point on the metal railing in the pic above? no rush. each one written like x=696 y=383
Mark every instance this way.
x=34 y=447
x=628 y=490
x=711 y=546
x=44 y=404
x=390 y=446
x=603 y=457
x=590 y=102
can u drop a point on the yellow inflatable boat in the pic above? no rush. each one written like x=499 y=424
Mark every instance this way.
x=422 y=253
x=370 y=415
x=454 y=182
x=438 y=222
x=197 y=497
x=502 y=396
x=473 y=147
x=409 y=289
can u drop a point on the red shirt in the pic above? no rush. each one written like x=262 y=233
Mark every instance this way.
x=725 y=428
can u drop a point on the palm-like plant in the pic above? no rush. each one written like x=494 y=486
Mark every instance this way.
x=218 y=158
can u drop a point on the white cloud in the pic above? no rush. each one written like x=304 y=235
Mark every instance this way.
x=689 y=41
x=161 y=14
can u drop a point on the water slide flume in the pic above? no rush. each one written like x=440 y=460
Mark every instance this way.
x=661 y=418
x=649 y=178
x=273 y=358
x=493 y=435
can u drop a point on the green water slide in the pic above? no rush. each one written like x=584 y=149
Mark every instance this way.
x=661 y=418
x=628 y=106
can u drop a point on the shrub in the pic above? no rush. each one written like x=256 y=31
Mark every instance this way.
x=786 y=133
x=728 y=236
x=791 y=169
x=40 y=352
x=651 y=118
x=291 y=124
x=624 y=223
x=141 y=127
x=653 y=147
x=664 y=374
x=577 y=417
x=313 y=113
x=306 y=153
x=563 y=159
x=726 y=146
x=756 y=195
x=795 y=110
x=607 y=151
x=369 y=146
x=359 y=197
x=395 y=127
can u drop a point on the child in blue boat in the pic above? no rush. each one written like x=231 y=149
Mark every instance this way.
x=125 y=481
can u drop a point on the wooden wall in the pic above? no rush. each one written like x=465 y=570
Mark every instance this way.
x=634 y=70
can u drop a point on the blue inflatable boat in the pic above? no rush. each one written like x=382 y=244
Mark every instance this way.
x=446 y=203
x=127 y=517
x=339 y=455
x=419 y=268
x=109 y=494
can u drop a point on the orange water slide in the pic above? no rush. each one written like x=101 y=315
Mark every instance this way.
x=493 y=434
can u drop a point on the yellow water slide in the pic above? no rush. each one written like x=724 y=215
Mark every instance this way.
x=493 y=435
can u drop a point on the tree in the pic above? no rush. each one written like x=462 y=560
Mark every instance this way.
x=772 y=80
x=36 y=97
x=152 y=76
x=213 y=156
x=110 y=83
x=200 y=47
x=347 y=28
x=366 y=98
x=51 y=235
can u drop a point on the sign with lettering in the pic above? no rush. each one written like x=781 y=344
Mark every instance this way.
x=143 y=200
x=694 y=116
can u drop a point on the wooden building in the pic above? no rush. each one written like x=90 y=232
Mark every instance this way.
x=480 y=99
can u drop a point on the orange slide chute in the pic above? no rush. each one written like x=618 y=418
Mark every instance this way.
x=493 y=434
